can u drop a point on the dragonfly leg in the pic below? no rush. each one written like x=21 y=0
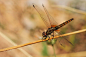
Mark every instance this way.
x=53 y=35
x=48 y=37
x=44 y=38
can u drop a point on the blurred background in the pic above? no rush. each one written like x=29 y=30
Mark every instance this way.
x=20 y=23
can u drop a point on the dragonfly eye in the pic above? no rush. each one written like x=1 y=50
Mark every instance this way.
x=43 y=34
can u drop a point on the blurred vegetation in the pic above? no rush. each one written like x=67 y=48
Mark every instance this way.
x=22 y=24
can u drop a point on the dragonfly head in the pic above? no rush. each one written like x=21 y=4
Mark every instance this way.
x=44 y=34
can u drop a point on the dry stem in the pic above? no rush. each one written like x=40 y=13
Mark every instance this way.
x=14 y=47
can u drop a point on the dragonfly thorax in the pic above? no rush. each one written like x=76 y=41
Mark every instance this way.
x=50 y=30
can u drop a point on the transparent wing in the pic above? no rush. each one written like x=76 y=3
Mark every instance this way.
x=44 y=18
x=63 y=38
x=53 y=23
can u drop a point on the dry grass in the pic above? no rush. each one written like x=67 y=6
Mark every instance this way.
x=21 y=23
x=42 y=40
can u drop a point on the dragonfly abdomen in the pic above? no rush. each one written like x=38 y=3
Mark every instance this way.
x=61 y=25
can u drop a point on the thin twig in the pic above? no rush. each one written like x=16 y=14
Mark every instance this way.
x=14 y=44
x=14 y=47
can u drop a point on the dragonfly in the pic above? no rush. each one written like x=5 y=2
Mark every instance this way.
x=51 y=24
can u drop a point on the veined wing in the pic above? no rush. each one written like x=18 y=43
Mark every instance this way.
x=53 y=23
x=50 y=22
x=44 y=18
